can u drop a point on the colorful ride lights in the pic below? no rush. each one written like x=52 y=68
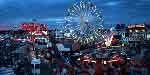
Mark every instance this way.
x=86 y=59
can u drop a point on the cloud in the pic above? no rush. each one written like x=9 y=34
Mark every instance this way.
x=53 y=11
x=114 y=3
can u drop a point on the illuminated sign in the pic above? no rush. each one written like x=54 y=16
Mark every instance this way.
x=131 y=26
x=39 y=33
x=33 y=26
x=36 y=61
x=138 y=25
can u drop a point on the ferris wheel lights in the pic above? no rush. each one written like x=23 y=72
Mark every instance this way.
x=83 y=26
x=95 y=6
x=68 y=10
x=81 y=4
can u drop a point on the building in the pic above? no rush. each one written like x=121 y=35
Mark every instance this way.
x=134 y=33
x=117 y=36
x=35 y=30
x=137 y=32
x=136 y=37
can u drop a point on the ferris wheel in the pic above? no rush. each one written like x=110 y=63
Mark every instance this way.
x=84 y=22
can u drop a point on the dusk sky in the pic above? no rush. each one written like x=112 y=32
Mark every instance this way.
x=53 y=11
